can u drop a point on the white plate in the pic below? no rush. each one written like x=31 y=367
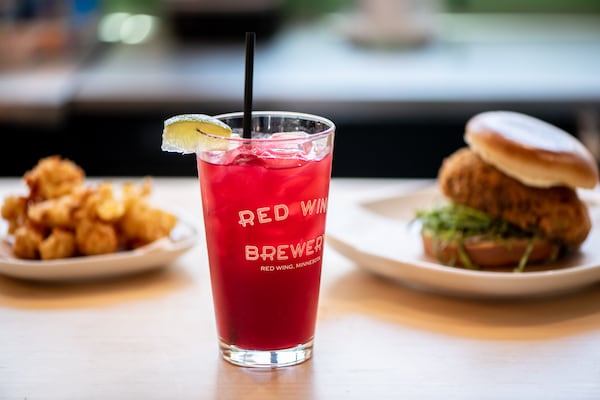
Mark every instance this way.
x=378 y=236
x=152 y=256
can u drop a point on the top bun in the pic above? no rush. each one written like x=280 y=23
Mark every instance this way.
x=530 y=150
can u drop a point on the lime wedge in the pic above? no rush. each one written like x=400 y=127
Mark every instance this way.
x=183 y=133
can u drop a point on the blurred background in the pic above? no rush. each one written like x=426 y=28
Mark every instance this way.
x=93 y=80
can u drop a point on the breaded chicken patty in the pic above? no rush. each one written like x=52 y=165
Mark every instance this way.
x=557 y=213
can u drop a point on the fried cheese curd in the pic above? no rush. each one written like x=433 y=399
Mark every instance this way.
x=556 y=212
x=62 y=216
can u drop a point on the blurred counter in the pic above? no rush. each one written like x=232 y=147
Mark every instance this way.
x=412 y=98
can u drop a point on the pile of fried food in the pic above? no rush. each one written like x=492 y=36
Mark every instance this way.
x=63 y=216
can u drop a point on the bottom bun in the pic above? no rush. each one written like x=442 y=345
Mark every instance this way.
x=490 y=253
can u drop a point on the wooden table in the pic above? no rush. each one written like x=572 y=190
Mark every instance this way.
x=152 y=336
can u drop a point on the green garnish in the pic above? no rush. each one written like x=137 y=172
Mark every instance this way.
x=464 y=257
x=523 y=260
x=456 y=223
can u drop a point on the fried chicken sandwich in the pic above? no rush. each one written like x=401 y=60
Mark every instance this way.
x=512 y=195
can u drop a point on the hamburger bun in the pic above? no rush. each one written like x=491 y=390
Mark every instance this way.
x=488 y=253
x=530 y=150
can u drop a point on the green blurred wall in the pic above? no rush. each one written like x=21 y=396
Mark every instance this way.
x=312 y=7
x=550 y=6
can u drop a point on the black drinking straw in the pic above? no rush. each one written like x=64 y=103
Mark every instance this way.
x=250 y=40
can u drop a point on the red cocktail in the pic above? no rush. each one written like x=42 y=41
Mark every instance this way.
x=264 y=203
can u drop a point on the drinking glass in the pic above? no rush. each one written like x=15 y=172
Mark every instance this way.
x=264 y=201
